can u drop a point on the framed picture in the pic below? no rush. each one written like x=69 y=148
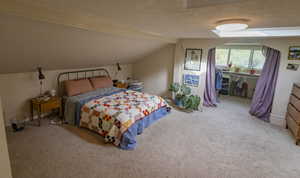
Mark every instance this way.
x=191 y=80
x=294 y=53
x=293 y=67
x=192 y=59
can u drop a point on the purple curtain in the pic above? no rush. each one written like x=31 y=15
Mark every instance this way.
x=210 y=98
x=265 y=88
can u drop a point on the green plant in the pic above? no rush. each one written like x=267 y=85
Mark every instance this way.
x=183 y=97
x=191 y=102
x=174 y=87
x=185 y=90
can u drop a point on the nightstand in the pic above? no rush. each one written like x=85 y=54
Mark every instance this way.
x=43 y=106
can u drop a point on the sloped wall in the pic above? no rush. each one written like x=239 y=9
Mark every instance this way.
x=26 y=44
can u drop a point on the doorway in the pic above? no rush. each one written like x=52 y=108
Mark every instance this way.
x=237 y=71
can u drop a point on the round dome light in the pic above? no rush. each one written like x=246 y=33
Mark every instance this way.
x=232 y=27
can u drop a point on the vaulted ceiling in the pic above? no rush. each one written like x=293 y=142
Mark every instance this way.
x=75 y=33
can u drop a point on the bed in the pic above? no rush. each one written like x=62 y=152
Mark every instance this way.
x=119 y=115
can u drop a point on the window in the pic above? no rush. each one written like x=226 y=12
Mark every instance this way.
x=240 y=57
x=258 y=60
x=245 y=58
x=222 y=57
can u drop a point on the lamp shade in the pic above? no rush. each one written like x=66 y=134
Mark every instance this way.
x=41 y=75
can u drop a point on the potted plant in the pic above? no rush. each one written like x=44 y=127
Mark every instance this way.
x=183 y=97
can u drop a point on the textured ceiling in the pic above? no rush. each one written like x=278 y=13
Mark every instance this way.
x=171 y=18
x=85 y=33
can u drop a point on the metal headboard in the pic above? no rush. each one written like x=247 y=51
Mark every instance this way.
x=79 y=74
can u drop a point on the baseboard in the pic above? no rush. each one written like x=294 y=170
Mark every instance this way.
x=28 y=119
x=278 y=120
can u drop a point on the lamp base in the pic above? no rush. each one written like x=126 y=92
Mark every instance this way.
x=41 y=87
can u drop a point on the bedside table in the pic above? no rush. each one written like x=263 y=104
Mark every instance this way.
x=42 y=106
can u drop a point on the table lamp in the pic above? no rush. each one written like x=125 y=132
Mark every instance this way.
x=41 y=78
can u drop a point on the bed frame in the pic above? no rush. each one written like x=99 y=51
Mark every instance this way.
x=76 y=75
x=79 y=74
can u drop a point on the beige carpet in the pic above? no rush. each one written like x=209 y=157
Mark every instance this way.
x=219 y=142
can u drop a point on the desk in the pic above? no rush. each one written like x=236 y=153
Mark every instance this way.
x=230 y=77
x=242 y=74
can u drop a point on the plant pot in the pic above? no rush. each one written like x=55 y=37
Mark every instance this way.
x=178 y=103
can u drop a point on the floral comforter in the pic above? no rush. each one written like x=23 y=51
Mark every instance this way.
x=112 y=115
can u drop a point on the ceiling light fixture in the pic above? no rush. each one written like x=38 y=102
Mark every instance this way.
x=232 y=25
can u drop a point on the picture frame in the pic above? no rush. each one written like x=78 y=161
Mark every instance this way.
x=193 y=59
x=294 y=53
x=191 y=80
x=293 y=67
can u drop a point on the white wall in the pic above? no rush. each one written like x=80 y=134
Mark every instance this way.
x=156 y=70
x=286 y=78
x=5 y=169
x=18 y=88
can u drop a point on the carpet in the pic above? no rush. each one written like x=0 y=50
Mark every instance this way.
x=216 y=143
